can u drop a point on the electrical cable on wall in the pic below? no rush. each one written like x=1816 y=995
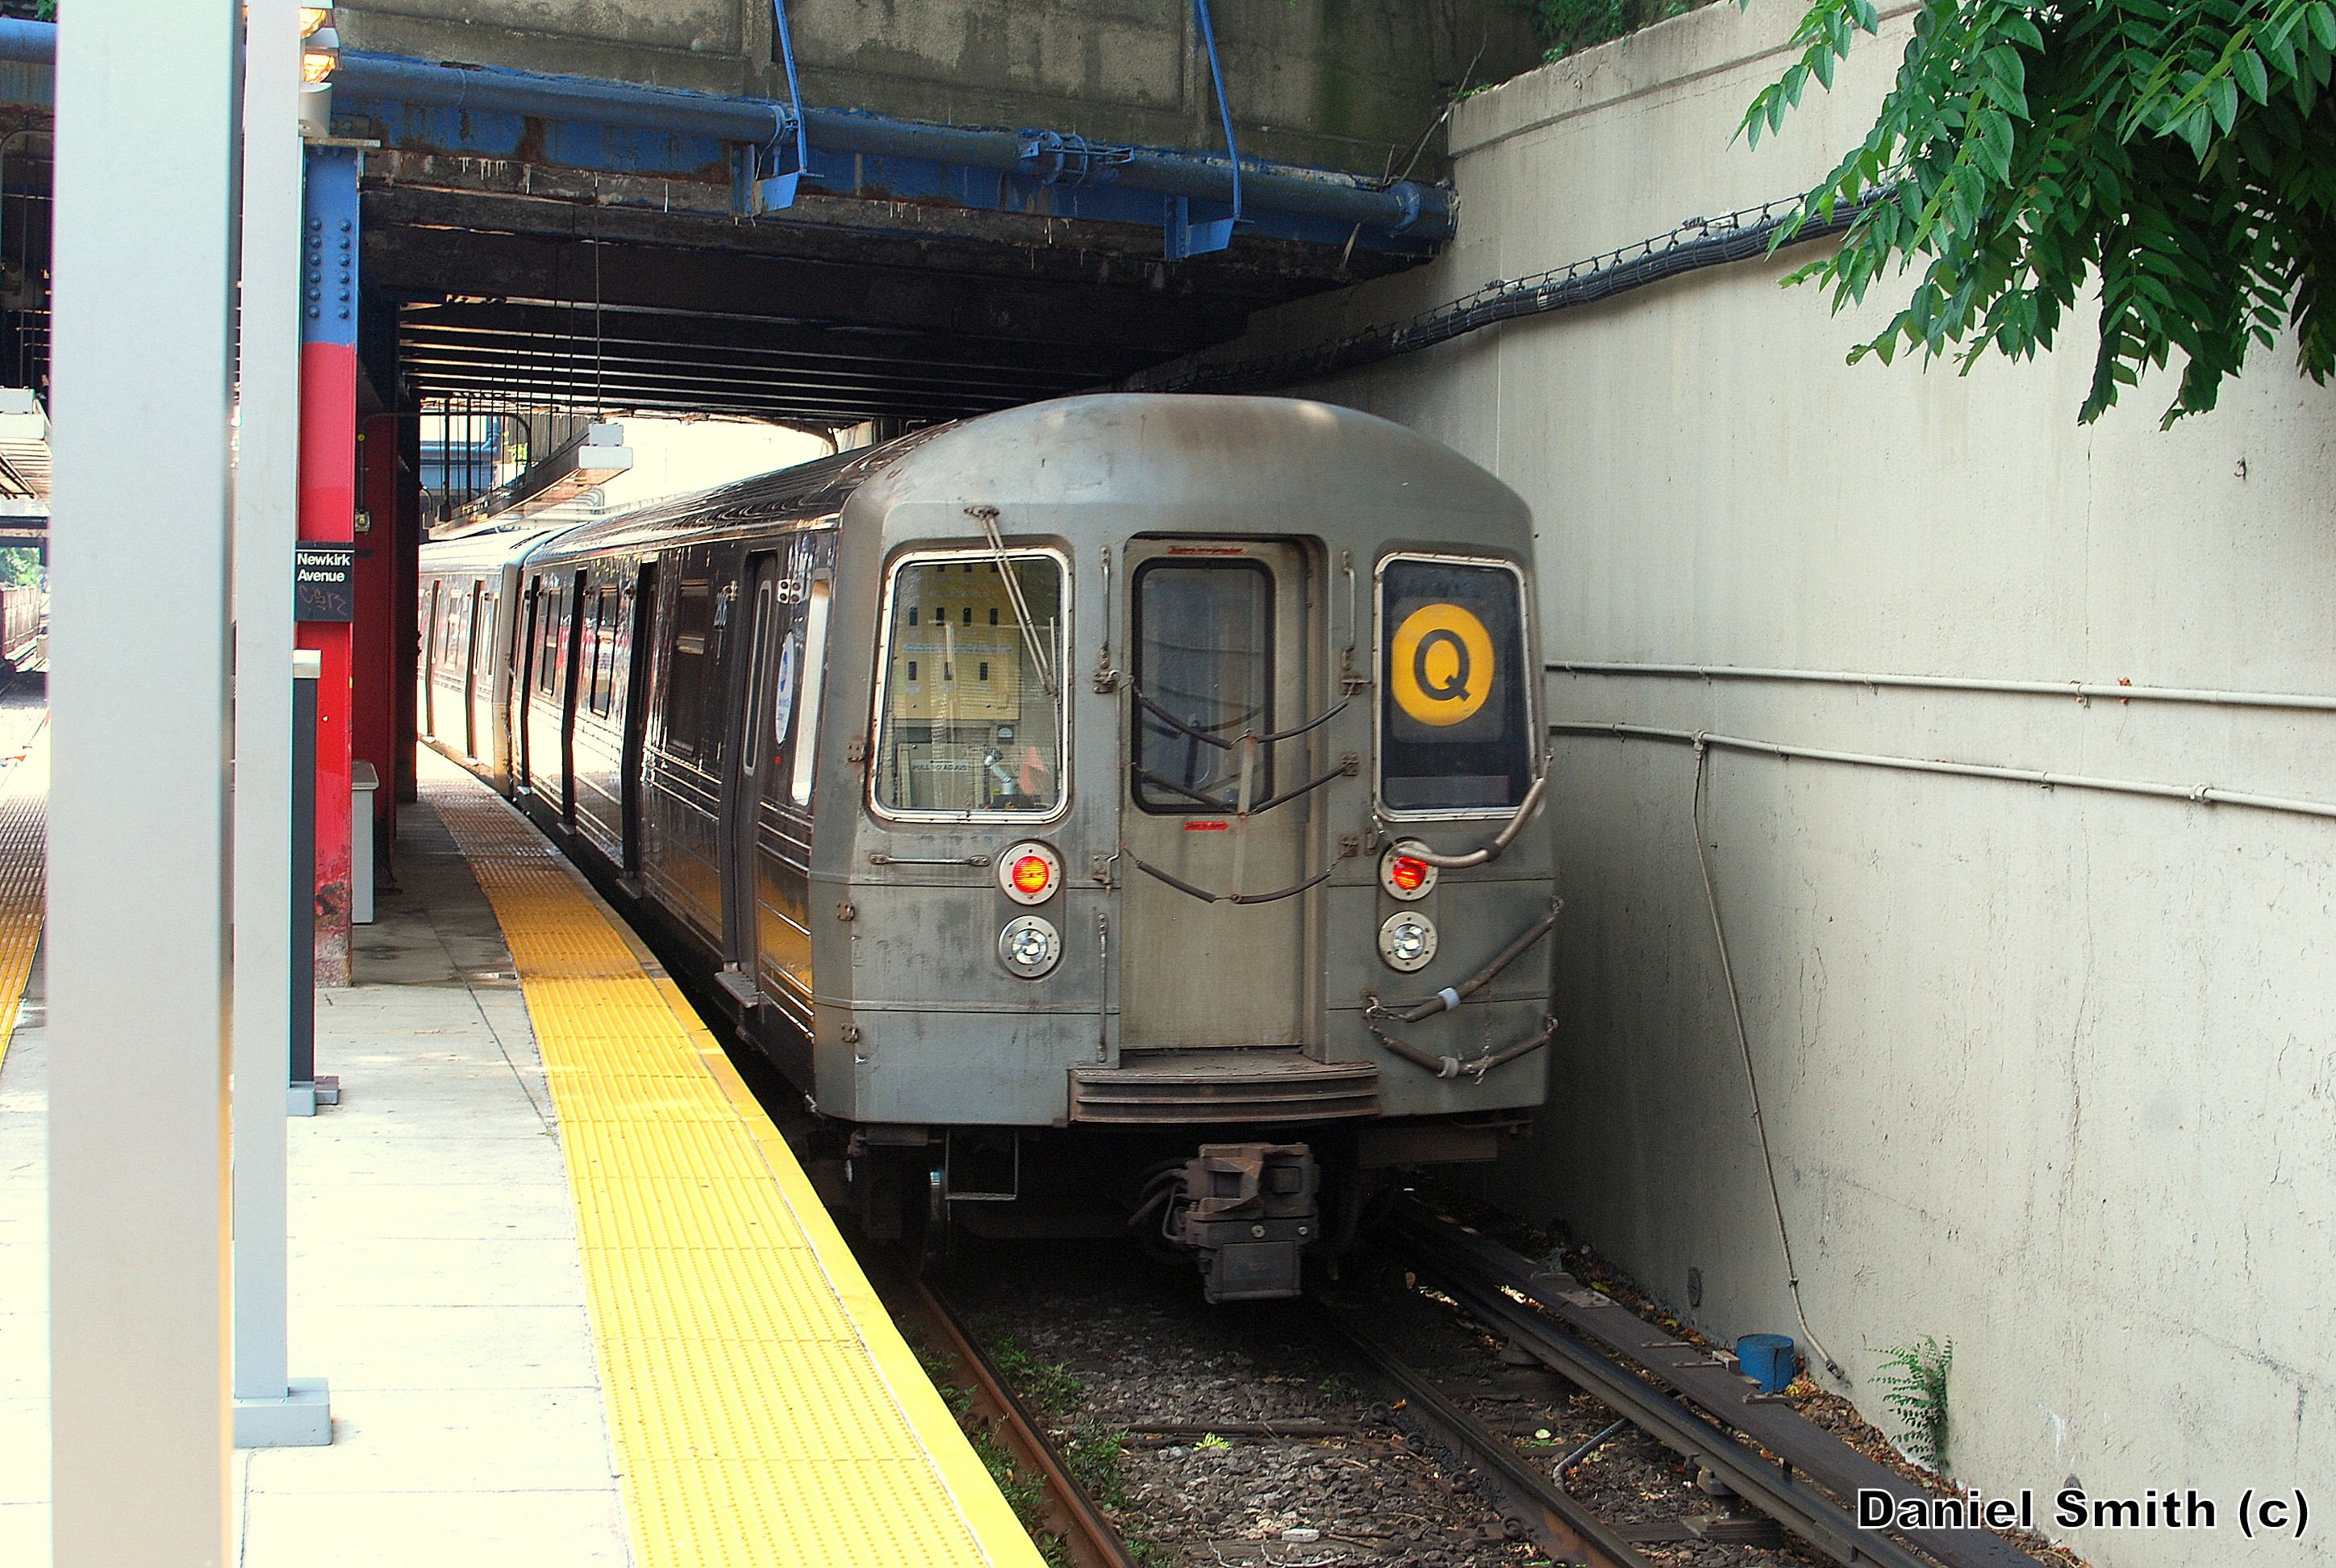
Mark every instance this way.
x=1747 y=234
x=1751 y=1079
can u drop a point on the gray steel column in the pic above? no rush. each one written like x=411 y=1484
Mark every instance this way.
x=266 y=511
x=138 y=689
x=270 y=1410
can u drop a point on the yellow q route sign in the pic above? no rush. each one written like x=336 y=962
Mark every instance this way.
x=1442 y=664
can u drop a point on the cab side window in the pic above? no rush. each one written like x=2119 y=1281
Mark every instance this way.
x=971 y=716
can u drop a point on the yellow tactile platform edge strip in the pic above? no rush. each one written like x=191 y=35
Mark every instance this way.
x=23 y=875
x=766 y=1408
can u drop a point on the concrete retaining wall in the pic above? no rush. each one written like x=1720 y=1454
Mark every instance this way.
x=2047 y=1072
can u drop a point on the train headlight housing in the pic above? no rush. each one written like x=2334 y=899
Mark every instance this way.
x=1408 y=941
x=1030 y=947
x=1029 y=874
x=1403 y=875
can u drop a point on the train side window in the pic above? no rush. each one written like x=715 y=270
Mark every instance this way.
x=456 y=644
x=1203 y=652
x=949 y=744
x=693 y=623
x=758 y=678
x=547 y=631
x=620 y=651
x=604 y=652
x=1455 y=734
x=805 y=708
x=472 y=625
x=587 y=629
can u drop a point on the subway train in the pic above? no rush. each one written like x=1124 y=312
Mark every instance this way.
x=1117 y=811
x=23 y=620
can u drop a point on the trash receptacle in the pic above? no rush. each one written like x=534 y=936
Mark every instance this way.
x=363 y=782
x=1768 y=1360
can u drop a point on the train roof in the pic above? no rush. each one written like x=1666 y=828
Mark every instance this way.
x=1218 y=452
x=804 y=492
x=486 y=551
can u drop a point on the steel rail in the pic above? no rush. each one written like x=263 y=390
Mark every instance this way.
x=1559 y=1525
x=1461 y=1264
x=1089 y=1539
x=1798 y=1507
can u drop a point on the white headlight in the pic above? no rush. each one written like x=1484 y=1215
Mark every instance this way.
x=1408 y=941
x=1030 y=946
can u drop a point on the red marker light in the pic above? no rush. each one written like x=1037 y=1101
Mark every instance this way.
x=1407 y=873
x=1031 y=874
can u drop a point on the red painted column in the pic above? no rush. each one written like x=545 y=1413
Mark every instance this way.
x=373 y=657
x=328 y=430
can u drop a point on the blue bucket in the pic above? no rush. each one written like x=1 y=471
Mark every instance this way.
x=1767 y=1360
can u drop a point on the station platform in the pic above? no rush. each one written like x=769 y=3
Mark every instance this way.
x=575 y=1299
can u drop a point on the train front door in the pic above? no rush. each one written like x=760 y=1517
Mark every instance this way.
x=1218 y=834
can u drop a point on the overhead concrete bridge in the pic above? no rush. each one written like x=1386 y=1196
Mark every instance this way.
x=995 y=201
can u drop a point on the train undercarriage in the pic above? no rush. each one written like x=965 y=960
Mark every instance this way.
x=1252 y=1213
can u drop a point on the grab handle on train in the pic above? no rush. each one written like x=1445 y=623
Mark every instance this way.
x=1503 y=840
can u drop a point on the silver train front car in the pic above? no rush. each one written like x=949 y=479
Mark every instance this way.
x=1117 y=811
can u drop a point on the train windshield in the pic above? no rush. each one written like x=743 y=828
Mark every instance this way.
x=1454 y=735
x=970 y=715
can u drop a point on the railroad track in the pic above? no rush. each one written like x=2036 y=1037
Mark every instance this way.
x=1760 y=1450
x=956 y=1361
x=1559 y=1525
x=1517 y=1497
x=1770 y=1468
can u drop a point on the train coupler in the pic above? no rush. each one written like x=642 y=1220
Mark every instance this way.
x=1249 y=1211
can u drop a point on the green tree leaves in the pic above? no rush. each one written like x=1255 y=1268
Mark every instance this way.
x=1565 y=26
x=2181 y=153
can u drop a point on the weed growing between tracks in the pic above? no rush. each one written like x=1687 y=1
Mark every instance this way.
x=1092 y=1451
x=1025 y=1495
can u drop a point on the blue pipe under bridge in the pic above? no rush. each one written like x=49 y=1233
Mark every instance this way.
x=491 y=112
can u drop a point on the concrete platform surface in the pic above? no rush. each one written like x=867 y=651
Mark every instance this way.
x=435 y=1268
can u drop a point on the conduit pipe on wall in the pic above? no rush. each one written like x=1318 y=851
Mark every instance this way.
x=2197 y=794
x=2083 y=690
